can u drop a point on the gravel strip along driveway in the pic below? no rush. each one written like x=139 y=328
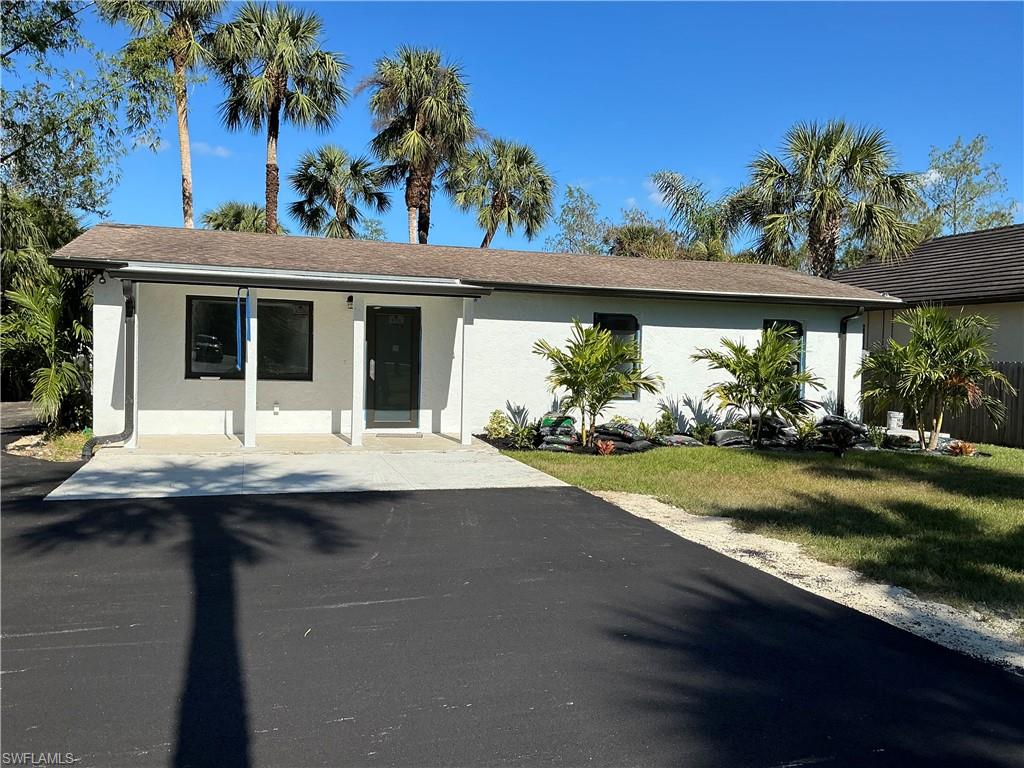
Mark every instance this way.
x=997 y=640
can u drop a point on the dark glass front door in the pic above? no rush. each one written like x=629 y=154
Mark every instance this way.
x=392 y=366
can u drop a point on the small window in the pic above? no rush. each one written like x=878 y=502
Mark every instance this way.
x=797 y=330
x=623 y=328
x=285 y=345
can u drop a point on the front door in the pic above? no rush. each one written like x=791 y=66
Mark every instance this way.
x=392 y=367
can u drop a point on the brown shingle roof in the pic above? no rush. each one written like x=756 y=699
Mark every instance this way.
x=973 y=267
x=519 y=270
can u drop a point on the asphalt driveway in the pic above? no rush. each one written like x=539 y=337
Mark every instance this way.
x=530 y=626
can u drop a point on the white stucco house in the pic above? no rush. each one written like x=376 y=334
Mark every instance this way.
x=353 y=337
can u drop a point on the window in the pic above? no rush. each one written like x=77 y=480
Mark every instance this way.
x=623 y=328
x=285 y=346
x=798 y=333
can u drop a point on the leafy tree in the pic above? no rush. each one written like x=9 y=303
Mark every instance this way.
x=944 y=367
x=708 y=226
x=234 y=216
x=274 y=69
x=831 y=180
x=372 y=229
x=63 y=131
x=423 y=121
x=174 y=32
x=579 y=229
x=333 y=185
x=960 y=192
x=640 y=237
x=766 y=380
x=595 y=368
x=506 y=184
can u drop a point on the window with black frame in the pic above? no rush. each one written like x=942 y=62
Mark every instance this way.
x=797 y=329
x=285 y=333
x=624 y=328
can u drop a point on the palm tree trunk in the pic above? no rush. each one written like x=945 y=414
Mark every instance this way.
x=411 y=206
x=488 y=236
x=933 y=439
x=823 y=243
x=424 y=214
x=184 y=145
x=273 y=172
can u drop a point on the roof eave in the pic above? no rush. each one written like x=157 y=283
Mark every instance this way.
x=154 y=272
x=647 y=293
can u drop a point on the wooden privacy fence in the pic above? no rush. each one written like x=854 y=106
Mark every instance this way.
x=974 y=424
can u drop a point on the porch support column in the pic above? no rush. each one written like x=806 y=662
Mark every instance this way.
x=358 y=369
x=133 y=440
x=465 y=335
x=250 y=373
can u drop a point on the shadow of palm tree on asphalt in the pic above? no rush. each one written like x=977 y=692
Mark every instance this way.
x=214 y=534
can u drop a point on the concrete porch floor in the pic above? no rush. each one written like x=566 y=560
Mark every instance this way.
x=173 y=445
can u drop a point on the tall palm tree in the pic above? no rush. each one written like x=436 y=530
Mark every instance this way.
x=329 y=180
x=831 y=180
x=708 y=226
x=234 y=216
x=507 y=185
x=273 y=67
x=423 y=122
x=175 y=32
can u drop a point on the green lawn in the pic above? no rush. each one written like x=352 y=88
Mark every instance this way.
x=947 y=528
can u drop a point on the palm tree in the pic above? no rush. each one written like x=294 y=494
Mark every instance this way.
x=273 y=67
x=424 y=123
x=507 y=185
x=175 y=31
x=766 y=380
x=708 y=227
x=595 y=368
x=831 y=180
x=234 y=216
x=944 y=366
x=48 y=324
x=329 y=180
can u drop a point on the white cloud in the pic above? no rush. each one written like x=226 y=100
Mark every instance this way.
x=630 y=202
x=215 y=150
x=929 y=177
x=653 y=194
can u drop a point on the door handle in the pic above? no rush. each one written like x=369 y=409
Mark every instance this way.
x=373 y=369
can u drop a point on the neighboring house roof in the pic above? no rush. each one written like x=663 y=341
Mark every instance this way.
x=971 y=268
x=141 y=250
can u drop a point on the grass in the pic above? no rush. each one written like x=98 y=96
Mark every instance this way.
x=946 y=528
x=66 y=446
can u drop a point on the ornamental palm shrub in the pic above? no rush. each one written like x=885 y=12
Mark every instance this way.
x=47 y=322
x=943 y=368
x=595 y=368
x=766 y=380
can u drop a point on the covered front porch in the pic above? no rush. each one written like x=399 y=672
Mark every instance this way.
x=268 y=365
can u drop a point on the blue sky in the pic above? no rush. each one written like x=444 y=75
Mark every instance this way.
x=609 y=93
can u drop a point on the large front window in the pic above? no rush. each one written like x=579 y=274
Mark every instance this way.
x=285 y=339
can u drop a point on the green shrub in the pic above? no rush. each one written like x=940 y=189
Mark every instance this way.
x=703 y=431
x=617 y=419
x=499 y=426
x=666 y=424
x=807 y=433
x=649 y=431
x=877 y=436
x=522 y=437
